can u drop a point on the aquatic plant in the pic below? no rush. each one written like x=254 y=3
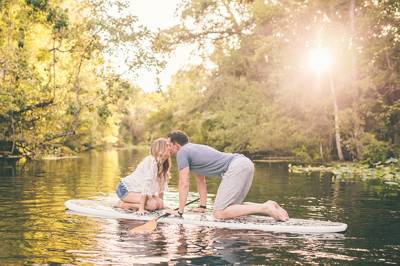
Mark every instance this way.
x=389 y=170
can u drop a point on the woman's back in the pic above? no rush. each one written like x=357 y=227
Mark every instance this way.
x=144 y=178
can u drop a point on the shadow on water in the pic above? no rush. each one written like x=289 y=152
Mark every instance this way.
x=35 y=229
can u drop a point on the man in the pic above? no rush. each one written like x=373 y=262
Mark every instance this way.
x=235 y=170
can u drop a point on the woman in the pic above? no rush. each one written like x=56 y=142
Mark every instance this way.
x=145 y=187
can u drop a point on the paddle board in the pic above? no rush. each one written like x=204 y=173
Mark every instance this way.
x=105 y=209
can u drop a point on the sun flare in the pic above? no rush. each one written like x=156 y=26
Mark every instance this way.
x=320 y=59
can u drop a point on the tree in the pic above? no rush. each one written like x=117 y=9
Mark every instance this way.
x=57 y=93
x=259 y=89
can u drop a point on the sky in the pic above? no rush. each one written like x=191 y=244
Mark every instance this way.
x=156 y=15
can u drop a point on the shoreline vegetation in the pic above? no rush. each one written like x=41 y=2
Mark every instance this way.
x=75 y=155
x=69 y=154
x=388 y=171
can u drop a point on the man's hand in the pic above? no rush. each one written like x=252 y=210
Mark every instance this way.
x=202 y=189
x=183 y=187
x=173 y=212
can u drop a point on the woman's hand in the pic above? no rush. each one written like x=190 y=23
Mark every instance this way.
x=142 y=211
x=198 y=209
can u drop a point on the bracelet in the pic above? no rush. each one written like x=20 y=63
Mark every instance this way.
x=203 y=206
x=180 y=213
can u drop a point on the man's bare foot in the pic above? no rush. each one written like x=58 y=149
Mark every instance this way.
x=275 y=211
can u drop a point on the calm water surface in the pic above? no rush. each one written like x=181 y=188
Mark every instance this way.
x=36 y=229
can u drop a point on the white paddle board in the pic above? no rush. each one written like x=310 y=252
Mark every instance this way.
x=105 y=209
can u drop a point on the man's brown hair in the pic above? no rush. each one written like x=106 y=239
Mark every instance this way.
x=179 y=137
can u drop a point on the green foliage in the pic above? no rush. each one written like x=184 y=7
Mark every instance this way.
x=252 y=92
x=59 y=19
x=56 y=96
x=38 y=4
x=260 y=96
x=374 y=150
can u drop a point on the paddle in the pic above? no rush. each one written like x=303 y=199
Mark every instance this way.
x=151 y=225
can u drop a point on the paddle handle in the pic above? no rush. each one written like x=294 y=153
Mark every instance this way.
x=168 y=214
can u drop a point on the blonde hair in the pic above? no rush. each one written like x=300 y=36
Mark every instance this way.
x=159 y=149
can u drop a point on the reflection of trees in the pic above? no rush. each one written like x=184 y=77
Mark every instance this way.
x=268 y=184
x=261 y=190
x=7 y=168
x=90 y=174
x=35 y=225
x=51 y=239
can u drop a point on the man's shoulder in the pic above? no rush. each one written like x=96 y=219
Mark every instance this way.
x=183 y=150
x=190 y=146
x=187 y=147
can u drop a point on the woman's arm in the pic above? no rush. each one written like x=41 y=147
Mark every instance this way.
x=162 y=203
x=142 y=204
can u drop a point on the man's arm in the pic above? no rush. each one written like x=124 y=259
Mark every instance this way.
x=202 y=189
x=183 y=187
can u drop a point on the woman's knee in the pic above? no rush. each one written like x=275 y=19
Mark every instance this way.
x=160 y=203
x=151 y=205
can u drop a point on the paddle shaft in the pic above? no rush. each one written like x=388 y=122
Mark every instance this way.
x=151 y=225
x=168 y=214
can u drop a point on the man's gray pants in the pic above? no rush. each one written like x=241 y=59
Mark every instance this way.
x=235 y=184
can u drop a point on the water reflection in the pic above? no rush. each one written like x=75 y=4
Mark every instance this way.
x=185 y=244
x=35 y=229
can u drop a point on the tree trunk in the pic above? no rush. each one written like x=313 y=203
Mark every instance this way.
x=359 y=148
x=358 y=128
x=351 y=15
x=321 y=151
x=336 y=113
x=54 y=67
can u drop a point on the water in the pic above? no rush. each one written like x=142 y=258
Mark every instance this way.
x=36 y=229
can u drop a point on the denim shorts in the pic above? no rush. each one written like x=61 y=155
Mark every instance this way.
x=121 y=190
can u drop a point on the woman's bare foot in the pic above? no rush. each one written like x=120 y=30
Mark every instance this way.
x=275 y=211
x=126 y=206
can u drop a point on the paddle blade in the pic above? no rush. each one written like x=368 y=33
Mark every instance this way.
x=146 y=228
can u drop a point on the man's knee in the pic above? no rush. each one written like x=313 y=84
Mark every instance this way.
x=219 y=214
